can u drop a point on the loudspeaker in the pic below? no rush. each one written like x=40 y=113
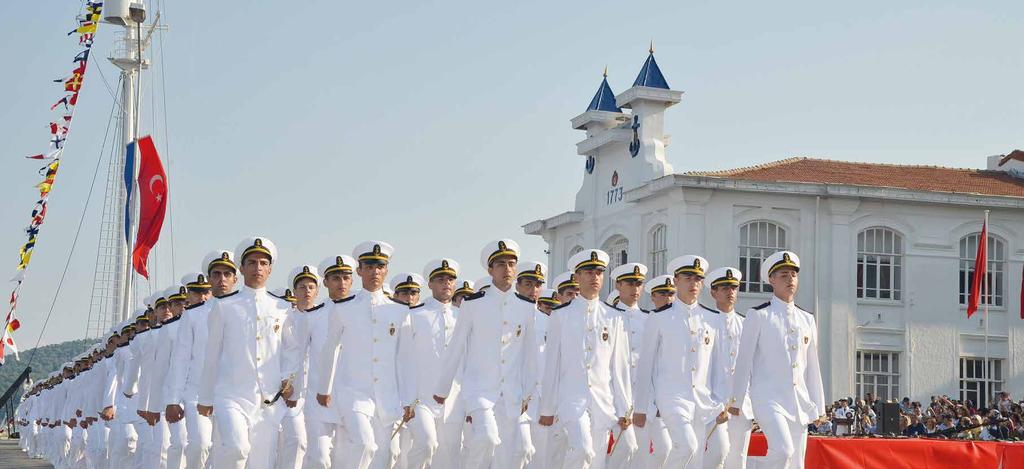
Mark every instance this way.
x=889 y=419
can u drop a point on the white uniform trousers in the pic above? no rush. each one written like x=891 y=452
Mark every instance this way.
x=143 y=445
x=292 y=440
x=497 y=438
x=787 y=441
x=123 y=441
x=244 y=442
x=365 y=442
x=687 y=442
x=155 y=454
x=76 y=451
x=622 y=457
x=96 y=456
x=588 y=442
x=321 y=437
x=198 y=437
x=176 y=441
x=728 y=450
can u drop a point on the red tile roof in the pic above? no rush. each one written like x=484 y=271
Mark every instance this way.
x=918 y=178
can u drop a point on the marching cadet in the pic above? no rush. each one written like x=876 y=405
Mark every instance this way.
x=321 y=423
x=465 y=288
x=133 y=381
x=361 y=383
x=566 y=286
x=117 y=411
x=187 y=358
x=586 y=374
x=530 y=279
x=779 y=340
x=406 y=287
x=662 y=290
x=245 y=335
x=171 y=434
x=728 y=444
x=305 y=285
x=495 y=345
x=628 y=280
x=675 y=363
x=437 y=429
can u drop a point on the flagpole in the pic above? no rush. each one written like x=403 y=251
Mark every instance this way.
x=986 y=373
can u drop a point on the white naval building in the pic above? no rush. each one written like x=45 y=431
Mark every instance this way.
x=887 y=249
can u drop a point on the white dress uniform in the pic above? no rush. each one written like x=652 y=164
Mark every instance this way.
x=133 y=384
x=548 y=441
x=729 y=442
x=172 y=434
x=242 y=371
x=365 y=379
x=633 y=317
x=494 y=346
x=587 y=374
x=186 y=368
x=674 y=371
x=322 y=424
x=781 y=340
x=123 y=437
x=437 y=428
x=96 y=450
x=292 y=439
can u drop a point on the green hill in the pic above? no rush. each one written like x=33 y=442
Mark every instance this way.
x=47 y=359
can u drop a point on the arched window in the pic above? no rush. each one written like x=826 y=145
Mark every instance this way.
x=879 y=264
x=617 y=248
x=758 y=240
x=657 y=256
x=993 y=285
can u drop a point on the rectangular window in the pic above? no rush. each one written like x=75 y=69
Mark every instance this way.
x=975 y=386
x=879 y=374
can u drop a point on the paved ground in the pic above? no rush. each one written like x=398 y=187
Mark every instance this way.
x=11 y=457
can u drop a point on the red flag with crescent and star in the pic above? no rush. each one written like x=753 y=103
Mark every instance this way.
x=152 y=203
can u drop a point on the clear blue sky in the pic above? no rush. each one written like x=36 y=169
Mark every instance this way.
x=440 y=125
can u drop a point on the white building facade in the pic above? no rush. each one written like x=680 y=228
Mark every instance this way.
x=887 y=250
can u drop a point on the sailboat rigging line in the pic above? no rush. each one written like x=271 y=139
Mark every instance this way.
x=106 y=83
x=74 y=243
x=167 y=139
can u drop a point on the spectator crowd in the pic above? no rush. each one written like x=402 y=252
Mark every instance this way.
x=942 y=417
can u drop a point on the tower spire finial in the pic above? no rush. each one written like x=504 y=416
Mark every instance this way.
x=651 y=49
x=605 y=71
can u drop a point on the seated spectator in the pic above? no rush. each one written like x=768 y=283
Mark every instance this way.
x=1005 y=405
x=947 y=422
x=964 y=429
x=930 y=426
x=995 y=428
x=825 y=428
x=916 y=428
x=905 y=406
x=904 y=424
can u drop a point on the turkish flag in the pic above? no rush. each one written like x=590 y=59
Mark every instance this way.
x=980 y=268
x=152 y=203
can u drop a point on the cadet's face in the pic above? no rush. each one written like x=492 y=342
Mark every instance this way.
x=502 y=271
x=629 y=291
x=544 y=308
x=590 y=281
x=410 y=296
x=338 y=285
x=305 y=291
x=725 y=296
x=457 y=300
x=177 y=307
x=568 y=294
x=163 y=312
x=529 y=288
x=784 y=282
x=662 y=298
x=256 y=269
x=222 y=279
x=442 y=287
x=372 y=275
x=688 y=287
x=196 y=297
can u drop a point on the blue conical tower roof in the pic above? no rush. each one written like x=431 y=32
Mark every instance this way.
x=650 y=75
x=604 y=99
